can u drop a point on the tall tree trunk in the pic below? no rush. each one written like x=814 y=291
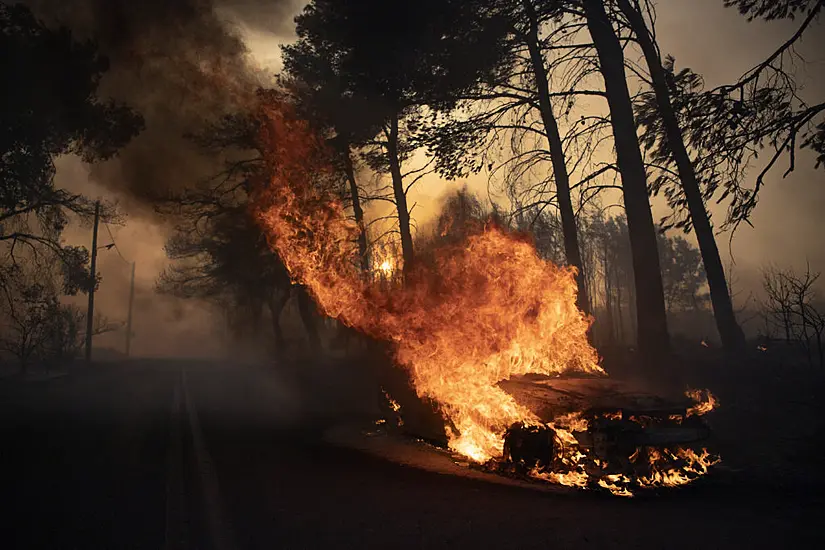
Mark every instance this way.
x=356 y=207
x=653 y=338
x=400 y=193
x=733 y=339
x=306 y=310
x=557 y=157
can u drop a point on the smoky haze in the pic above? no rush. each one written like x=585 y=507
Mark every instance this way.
x=180 y=64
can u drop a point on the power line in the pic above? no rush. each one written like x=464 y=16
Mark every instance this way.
x=109 y=231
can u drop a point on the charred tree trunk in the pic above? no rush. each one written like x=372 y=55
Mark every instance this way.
x=733 y=339
x=400 y=193
x=653 y=338
x=306 y=310
x=356 y=207
x=557 y=157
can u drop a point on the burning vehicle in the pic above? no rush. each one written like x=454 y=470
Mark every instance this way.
x=589 y=432
x=595 y=431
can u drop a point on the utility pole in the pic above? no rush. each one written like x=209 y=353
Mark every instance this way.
x=129 y=318
x=90 y=313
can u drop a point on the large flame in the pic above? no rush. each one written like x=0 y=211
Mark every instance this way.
x=473 y=314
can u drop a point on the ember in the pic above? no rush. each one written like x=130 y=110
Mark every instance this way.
x=476 y=313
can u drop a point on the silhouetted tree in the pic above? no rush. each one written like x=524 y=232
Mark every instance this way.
x=608 y=261
x=682 y=275
x=513 y=107
x=35 y=326
x=788 y=119
x=772 y=9
x=653 y=338
x=219 y=251
x=793 y=304
x=395 y=68
x=673 y=148
x=727 y=127
x=49 y=107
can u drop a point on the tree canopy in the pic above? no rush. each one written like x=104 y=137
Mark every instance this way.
x=378 y=65
x=49 y=106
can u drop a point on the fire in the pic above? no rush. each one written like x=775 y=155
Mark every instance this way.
x=671 y=468
x=465 y=316
x=616 y=484
x=384 y=262
x=394 y=405
x=473 y=314
x=705 y=402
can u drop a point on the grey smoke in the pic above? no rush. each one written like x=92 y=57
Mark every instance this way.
x=180 y=63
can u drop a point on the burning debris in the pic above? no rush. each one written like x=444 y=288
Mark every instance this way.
x=393 y=410
x=470 y=322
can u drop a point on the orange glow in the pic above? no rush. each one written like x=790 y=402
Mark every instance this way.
x=385 y=263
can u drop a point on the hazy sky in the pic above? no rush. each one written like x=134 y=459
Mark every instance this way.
x=720 y=44
x=714 y=41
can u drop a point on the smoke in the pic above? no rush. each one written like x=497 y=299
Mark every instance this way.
x=181 y=64
x=263 y=16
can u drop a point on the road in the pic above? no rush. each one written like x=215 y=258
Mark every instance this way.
x=200 y=455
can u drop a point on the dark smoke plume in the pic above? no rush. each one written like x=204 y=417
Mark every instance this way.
x=180 y=63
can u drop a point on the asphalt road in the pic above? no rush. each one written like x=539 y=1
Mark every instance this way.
x=194 y=455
